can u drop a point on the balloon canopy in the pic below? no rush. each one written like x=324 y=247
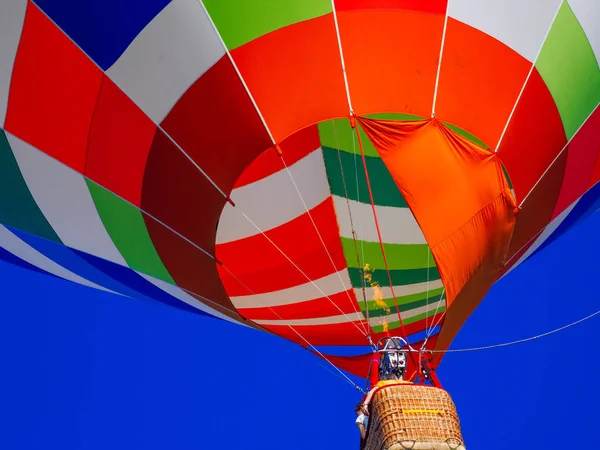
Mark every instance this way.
x=322 y=170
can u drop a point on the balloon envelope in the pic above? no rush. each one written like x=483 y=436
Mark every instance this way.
x=201 y=153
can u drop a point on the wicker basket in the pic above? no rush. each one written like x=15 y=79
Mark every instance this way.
x=410 y=416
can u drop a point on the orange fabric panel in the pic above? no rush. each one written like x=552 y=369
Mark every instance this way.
x=397 y=72
x=480 y=80
x=460 y=198
x=287 y=69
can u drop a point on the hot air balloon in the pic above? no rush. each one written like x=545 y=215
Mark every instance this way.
x=332 y=172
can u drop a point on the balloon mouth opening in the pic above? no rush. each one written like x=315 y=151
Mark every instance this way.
x=310 y=226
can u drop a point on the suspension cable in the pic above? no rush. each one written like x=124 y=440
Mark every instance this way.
x=385 y=261
x=437 y=322
x=304 y=274
x=354 y=234
x=518 y=341
x=346 y=289
x=343 y=375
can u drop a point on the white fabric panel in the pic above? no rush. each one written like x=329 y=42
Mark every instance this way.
x=274 y=201
x=65 y=200
x=186 y=298
x=520 y=24
x=391 y=318
x=407 y=289
x=13 y=244
x=352 y=317
x=397 y=225
x=587 y=13
x=331 y=320
x=12 y=15
x=163 y=61
x=329 y=284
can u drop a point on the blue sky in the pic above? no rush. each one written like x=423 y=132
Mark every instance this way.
x=83 y=369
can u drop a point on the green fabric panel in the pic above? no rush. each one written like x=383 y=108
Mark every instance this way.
x=241 y=21
x=399 y=277
x=569 y=68
x=506 y=176
x=126 y=227
x=421 y=298
x=18 y=208
x=339 y=134
x=400 y=256
x=408 y=321
x=385 y=191
x=379 y=312
x=466 y=135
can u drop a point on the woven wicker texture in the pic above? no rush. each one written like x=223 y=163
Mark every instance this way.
x=413 y=417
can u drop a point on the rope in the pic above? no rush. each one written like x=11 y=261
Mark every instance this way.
x=427 y=299
x=437 y=322
x=346 y=289
x=354 y=234
x=362 y=245
x=518 y=341
x=385 y=261
x=343 y=375
x=302 y=272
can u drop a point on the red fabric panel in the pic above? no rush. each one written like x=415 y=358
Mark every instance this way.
x=217 y=125
x=294 y=148
x=177 y=194
x=583 y=152
x=342 y=334
x=514 y=258
x=359 y=364
x=430 y=6
x=335 y=305
x=53 y=91
x=595 y=174
x=295 y=76
x=356 y=365
x=480 y=80
x=299 y=240
x=388 y=74
x=228 y=312
x=120 y=139
x=190 y=268
x=537 y=210
x=465 y=185
x=336 y=334
x=373 y=372
x=533 y=138
x=457 y=180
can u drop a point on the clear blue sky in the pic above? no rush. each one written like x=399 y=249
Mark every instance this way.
x=87 y=370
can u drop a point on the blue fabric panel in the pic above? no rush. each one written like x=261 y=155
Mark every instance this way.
x=588 y=204
x=102 y=28
x=65 y=257
x=130 y=278
x=12 y=259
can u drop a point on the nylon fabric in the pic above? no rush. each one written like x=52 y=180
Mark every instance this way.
x=460 y=198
